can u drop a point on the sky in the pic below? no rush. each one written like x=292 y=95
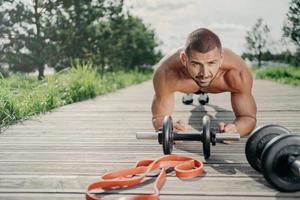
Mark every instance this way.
x=230 y=19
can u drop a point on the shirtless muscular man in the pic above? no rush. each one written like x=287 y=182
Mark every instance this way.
x=203 y=65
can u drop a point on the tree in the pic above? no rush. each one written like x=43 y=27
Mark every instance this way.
x=47 y=32
x=3 y=29
x=76 y=22
x=26 y=31
x=54 y=32
x=291 y=28
x=133 y=43
x=257 y=40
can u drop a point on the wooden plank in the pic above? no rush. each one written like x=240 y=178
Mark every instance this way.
x=173 y=186
x=99 y=168
x=94 y=156
x=119 y=129
x=68 y=196
x=101 y=145
x=86 y=133
x=147 y=122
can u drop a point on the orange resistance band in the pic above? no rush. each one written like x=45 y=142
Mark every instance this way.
x=185 y=168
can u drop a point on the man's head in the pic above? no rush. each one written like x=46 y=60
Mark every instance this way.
x=202 y=56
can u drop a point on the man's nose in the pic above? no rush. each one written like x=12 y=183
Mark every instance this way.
x=203 y=71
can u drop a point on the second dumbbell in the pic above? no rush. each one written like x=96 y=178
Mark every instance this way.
x=166 y=136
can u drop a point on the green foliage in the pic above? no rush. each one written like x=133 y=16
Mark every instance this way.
x=287 y=75
x=23 y=96
x=282 y=57
x=257 y=40
x=292 y=26
x=133 y=44
x=26 y=30
x=55 y=32
x=4 y=72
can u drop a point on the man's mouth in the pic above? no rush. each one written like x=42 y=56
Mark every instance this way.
x=203 y=80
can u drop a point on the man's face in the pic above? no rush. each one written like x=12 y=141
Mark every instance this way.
x=203 y=67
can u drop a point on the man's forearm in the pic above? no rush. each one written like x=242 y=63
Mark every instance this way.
x=245 y=124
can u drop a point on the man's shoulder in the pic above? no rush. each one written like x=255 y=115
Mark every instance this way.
x=237 y=75
x=165 y=78
x=169 y=59
x=231 y=59
x=238 y=80
x=167 y=71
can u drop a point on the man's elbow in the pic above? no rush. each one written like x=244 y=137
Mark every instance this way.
x=154 y=123
x=157 y=122
x=251 y=126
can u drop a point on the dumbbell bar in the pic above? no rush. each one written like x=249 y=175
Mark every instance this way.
x=166 y=136
x=275 y=152
x=220 y=137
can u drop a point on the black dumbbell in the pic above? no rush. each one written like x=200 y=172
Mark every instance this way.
x=203 y=98
x=275 y=152
x=166 y=136
x=187 y=99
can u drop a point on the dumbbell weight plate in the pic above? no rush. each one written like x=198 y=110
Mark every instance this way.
x=203 y=98
x=257 y=141
x=275 y=165
x=167 y=135
x=187 y=99
x=206 y=136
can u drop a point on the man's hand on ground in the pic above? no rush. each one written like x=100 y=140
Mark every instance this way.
x=177 y=127
x=224 y=128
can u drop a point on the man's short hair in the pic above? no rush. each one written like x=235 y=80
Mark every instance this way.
x=202 y=40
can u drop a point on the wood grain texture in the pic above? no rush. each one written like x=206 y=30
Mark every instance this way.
x=56 y=154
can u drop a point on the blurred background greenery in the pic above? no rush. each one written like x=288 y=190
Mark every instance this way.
x=36 y=34
x=96 y=46
x=22 y=96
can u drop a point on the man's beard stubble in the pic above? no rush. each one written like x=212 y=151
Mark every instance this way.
x=197 y=81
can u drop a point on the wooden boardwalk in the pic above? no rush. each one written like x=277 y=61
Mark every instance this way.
x=55 y=156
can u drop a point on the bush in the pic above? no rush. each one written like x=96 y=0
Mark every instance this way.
x=22 y=96
x=4 y=72
x=286 y=75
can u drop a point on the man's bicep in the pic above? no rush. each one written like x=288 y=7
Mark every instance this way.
x=163 y=100
x=242 y=101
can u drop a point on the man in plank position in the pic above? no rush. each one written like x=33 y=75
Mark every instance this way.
x=203 y=65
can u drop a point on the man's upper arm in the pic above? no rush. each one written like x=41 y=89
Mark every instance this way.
x=242 y=100
x=240 y=81
x=163 y=100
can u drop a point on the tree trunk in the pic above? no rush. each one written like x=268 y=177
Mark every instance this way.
x=102 y=65
x=41 y=75
x=259 y=57
x=38 y=35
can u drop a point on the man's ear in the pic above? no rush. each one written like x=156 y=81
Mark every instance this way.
x=183 y=58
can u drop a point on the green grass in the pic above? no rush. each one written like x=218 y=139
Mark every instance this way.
x=22 y=96
x=286 y=75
